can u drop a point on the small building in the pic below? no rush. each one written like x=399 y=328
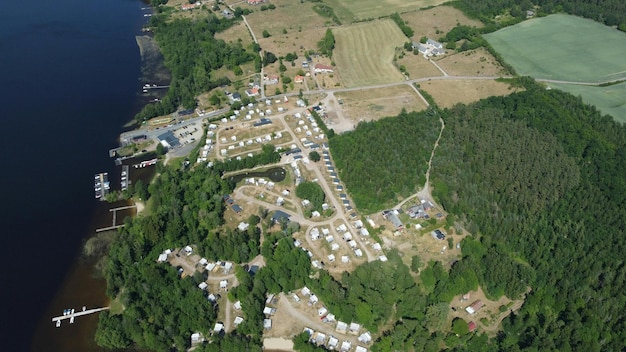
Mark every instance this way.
x=321 y=68
x=365 y=337
x=168 y=140
x=270 y=79
x=393 y=217
x=254 y=2
x=298 y=79
x=236 y=96
x=243 y=226
x=471 y=326
x=238 y=320
x=434 y=43
x=186 y=7
x=346 y=346
x=341 y=327
x=354 y=328
x=474 y=307
x=218 y=327
x=223 y=284
x=237 y=209
x=438 y=235
x=360 y=349
x=203 y=285
x=333 y=342
x=267 y=324
x=279 y=215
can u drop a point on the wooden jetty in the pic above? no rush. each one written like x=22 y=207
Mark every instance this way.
x=72 y=316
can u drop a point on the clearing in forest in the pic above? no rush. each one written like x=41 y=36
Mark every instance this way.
x=353 y=10
x=448 y=93
x=373 y=104
x=364 y=53
x=563 y=47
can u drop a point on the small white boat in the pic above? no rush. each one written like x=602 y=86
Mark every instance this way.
x=58 y=323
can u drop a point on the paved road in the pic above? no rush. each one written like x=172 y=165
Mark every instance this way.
x=152 y=133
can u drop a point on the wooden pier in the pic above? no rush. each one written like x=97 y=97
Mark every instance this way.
x=72 y=316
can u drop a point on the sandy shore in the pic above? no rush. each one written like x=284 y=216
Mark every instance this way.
x=276 y=343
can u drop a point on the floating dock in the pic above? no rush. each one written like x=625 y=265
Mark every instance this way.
x=101 y=185
x=125 y=178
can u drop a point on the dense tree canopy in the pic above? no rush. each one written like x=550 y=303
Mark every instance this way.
x=191 y=53
x=384 y=160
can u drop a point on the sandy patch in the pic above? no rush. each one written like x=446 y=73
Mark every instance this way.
x=275 y=343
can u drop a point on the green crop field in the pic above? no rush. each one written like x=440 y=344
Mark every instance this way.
x=563 y=47
x=356 y=10
x=364 y=52
x=609 y=100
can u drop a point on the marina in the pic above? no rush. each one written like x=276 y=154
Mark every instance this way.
x=101 y=185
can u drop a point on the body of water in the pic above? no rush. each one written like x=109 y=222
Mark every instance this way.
x=70 y=74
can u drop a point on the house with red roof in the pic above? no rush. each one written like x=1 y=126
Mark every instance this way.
x=321 y=68
x=471 y=326
x=298 y=79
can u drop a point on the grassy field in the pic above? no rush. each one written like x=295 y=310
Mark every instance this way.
x=563 y=47
x=355 y=10
x=449 y=93
x=364 y=52
x=373 y=104
x=477 y=62
x=436 y=22
x=609 y=100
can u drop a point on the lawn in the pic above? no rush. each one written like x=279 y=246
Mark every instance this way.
x=364 y=53
x=609 y=100
x=563 y=47
x=357 y=10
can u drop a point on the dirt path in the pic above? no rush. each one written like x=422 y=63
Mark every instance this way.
x=425 y=192
x=315 y=324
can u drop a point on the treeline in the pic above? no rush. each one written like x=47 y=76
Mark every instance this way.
x=408 y=31
x=609 y=12
x=537 y=176
x=268 y=155
x=385 y=160
x=191 y=53
x=327 y=44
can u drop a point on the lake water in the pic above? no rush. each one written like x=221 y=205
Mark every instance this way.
x=70 y=74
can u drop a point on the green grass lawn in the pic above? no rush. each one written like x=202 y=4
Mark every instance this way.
x=610 y=100
x=563 y=47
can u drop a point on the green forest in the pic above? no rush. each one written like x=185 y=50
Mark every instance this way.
x=609 y=12
x=385 y=160
x=191 y=53
x=538 y=178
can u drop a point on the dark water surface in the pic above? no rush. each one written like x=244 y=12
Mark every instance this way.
x=69 y=83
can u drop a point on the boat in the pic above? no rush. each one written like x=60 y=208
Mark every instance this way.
x=58 y=323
